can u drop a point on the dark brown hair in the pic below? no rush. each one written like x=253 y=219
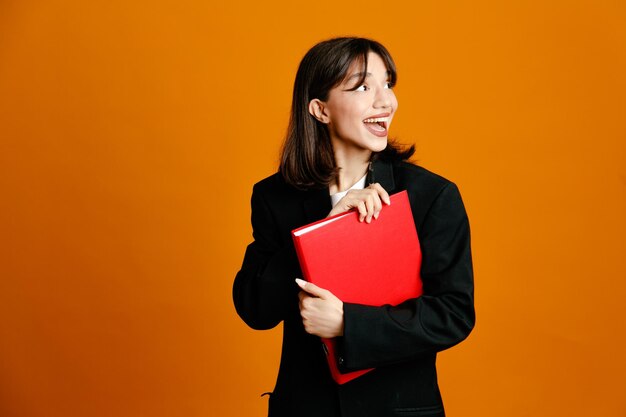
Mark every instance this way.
x=307 y=158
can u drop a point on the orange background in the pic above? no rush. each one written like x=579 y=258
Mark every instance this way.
x=131 y=134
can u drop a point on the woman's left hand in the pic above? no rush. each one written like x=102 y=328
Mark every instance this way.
x=321 y=311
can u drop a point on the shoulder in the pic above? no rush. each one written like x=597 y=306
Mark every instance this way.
x=268 y=184
x=273 y=186
x=417 y=172
x=430 y=194
x=417 y=179
x=276 y=193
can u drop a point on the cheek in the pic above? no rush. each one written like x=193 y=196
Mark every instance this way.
x=394 y=102
x=347 y=113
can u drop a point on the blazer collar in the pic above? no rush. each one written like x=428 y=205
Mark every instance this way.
x=382 y=173
x=317 y=203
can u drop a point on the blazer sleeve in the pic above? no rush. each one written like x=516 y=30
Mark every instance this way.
x=442 y=317
x=264 y=288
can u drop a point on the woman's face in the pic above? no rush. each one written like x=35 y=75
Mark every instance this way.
x=359 y=120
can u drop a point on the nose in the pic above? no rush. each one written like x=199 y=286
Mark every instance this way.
x=383 y=98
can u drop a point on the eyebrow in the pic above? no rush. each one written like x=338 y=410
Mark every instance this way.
x=360 y=74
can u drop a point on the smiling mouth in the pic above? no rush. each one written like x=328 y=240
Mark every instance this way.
x=378 y=124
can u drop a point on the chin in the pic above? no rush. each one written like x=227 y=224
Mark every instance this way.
x=379 y=146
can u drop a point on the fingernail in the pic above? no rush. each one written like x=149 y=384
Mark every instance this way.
x=301 y=283
x=376 y=215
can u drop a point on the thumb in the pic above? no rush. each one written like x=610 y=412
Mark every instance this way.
x=311 y=288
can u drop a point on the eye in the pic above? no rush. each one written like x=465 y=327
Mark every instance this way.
x=362 y=88
x=388 y=85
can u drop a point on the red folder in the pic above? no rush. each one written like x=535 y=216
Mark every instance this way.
x=373 y=263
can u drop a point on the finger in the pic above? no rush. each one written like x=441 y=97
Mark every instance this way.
x=312 y=289
x=378 y=205
x=362 y=210
x=305 y=304
x=301 y=304
x=374 y=203
x=369 y=204
x=301 y=283
x=384 y=196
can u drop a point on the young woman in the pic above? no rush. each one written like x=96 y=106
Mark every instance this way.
x=336 y=158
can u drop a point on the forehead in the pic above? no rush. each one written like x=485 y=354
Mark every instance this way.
x=375 y=67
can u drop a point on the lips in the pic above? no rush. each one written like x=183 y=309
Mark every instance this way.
x=378 y=124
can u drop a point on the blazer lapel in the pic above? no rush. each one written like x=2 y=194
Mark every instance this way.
x=382 y=173
x=317 y=204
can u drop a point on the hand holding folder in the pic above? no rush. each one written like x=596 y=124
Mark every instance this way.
x=374 y=263
x=321 y=310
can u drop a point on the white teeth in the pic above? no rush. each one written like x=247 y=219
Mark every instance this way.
x=376 y=120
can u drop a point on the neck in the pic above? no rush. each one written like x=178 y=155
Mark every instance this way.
x=352 y=166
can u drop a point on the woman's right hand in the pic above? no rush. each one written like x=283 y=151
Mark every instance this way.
x=368 y=202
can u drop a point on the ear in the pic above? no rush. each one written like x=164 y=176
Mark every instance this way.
x=318 y=109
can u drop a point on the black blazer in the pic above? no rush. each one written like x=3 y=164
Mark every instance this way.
x=401 y=342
